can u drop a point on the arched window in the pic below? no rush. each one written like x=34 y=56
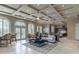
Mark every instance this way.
x=4 y=27
x=30 y=28
x=20 y=29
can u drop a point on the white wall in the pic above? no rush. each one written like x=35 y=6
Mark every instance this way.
x=12 y=21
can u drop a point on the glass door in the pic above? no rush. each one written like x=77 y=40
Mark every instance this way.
x=18 y=33
x=20 y=30
x=23 y=33
x=0 y=28
x=31 y=28
x=4 y=27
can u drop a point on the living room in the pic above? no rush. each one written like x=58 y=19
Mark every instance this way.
x=38 y=28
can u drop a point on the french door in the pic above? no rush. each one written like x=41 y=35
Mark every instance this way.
x=4 y=27
x=23 y=33
x=20 y=30
x=20 y=33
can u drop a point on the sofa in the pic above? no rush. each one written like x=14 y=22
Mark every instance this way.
x=50 y=38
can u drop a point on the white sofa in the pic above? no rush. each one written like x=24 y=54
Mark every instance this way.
x=50 y=38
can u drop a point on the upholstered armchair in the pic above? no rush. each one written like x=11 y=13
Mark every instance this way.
x=5 y=38
x=14 y=37
x=31 y=37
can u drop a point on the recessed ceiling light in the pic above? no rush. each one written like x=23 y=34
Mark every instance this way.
x=38 y=18
x=62 y=5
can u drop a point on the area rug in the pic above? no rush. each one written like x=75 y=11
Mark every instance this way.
x=44 y=49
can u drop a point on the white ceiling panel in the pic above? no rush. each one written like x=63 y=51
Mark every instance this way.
x=40 y=6
x=30 y=17
x=45 y=18
x=38 y=14
x=15 y=6
x=24 y=16
x=71 y=12
x=21 y=14
x=48 y=10
x=44 y=11
x=64 y=6
x=5 y=9
x=28 y=10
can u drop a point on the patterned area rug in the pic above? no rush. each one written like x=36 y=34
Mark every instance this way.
x=44 y=49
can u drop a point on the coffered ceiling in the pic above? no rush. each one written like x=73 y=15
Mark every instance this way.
x=43 y=12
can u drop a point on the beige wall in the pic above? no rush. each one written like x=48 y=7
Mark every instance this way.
x=71 y=24
x=71 y=30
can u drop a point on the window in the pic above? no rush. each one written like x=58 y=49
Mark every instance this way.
x=20 y=30
x=39 y=29
x=46 y=29
x=20 y=24
x=30 y=28
x=4 y=27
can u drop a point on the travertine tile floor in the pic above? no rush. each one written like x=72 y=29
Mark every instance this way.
x=65 y=46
